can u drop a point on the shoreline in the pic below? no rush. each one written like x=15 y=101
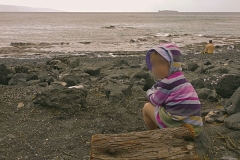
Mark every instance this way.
x=135 y=47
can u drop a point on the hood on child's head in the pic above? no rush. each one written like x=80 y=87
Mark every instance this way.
x=170 y=52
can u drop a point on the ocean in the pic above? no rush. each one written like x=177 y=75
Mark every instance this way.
x=114 y=28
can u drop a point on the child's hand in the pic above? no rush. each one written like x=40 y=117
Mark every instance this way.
x=151 y=91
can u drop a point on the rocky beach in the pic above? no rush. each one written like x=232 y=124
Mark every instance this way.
x=67 y=76
x=52 y=105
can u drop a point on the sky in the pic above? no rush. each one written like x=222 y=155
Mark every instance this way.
x=131 y=5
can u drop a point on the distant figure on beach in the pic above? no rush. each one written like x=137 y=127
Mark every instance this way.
x=209 y=48
x=172 y=99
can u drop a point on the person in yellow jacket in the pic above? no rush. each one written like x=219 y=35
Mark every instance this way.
x=209 y=48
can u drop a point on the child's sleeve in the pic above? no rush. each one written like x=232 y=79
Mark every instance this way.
x=157 y=95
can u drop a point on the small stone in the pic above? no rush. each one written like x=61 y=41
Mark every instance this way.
x=205 y=112
x=77 y=87
x=10 y=136
x=70 y=82
x=133 y=40
x=32 y=82
x=20 y=105
x=43 y=84
x=64 y=84
x=215 y=116
x=208 y=63
x=58 y=158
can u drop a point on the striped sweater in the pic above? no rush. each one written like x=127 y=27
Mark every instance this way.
x=177 y=102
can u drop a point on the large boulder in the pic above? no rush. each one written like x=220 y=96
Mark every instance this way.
x=227 y=85
x=4 y=71
x=233 y=121
x=232 y=105
x=62 y=98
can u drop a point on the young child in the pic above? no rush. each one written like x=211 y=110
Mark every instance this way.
x=172 y=100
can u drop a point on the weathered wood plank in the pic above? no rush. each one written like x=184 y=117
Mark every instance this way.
x=168 y=143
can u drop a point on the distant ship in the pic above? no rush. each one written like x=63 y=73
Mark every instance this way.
x=168 y=11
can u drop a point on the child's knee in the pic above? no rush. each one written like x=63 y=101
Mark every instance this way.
x=147 y=107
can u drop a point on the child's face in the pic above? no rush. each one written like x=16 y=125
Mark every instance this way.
x=160 y=66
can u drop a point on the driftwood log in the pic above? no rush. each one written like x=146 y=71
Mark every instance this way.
x=168 y=143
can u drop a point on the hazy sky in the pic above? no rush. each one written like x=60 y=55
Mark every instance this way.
x=131 y=5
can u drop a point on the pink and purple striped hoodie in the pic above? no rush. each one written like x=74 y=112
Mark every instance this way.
x=174 y=93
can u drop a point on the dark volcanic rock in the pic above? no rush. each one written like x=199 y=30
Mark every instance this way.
x=203 y=142
x=121 y=64
x=207 y=63
x=227 y=85
x=74 y=62
x=233 y=121
x=32 y=76
x=232 y=105
x=220 y=70
x=32 y=82
x=22 y=69
x=60 y=64
x=143 y=78
x=207 y=94
x=73 y=79
x=198 y=83
x=17 y=77
x=62 y=98
x=204 y=69
x=45 y=77
x=93 y=71
x=117 y=92
x=3 y=74
x=192 y=66
x=70 y=82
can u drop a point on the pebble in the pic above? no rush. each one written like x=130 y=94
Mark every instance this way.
x=20 y=105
